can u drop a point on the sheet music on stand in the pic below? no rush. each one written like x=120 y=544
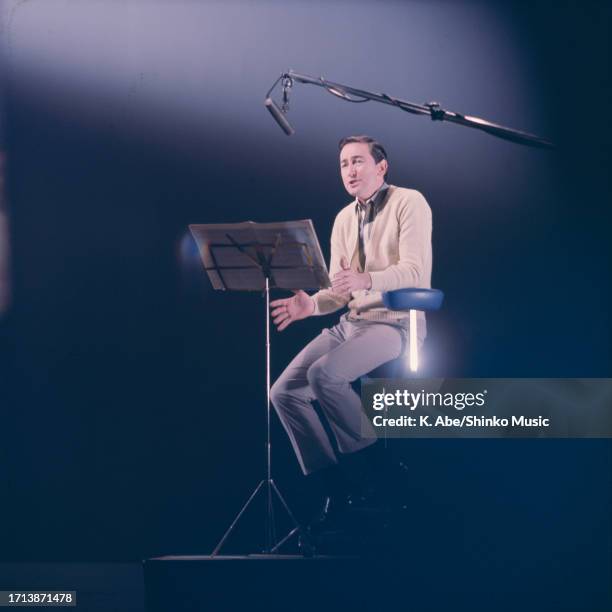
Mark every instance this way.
x=239 y=256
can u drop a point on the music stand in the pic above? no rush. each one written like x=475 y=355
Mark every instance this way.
x=257 y=257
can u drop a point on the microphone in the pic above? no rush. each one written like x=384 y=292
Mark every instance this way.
x=279 y=116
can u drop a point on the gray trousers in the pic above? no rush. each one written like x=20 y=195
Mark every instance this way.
x=323 y=371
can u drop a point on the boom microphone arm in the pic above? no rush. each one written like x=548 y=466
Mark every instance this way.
x=431 y=109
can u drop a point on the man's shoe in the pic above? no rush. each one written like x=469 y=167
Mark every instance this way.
x=332 y=515
x=306 y=543
x=372 y=500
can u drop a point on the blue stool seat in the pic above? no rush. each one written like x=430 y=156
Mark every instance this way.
x=413 y=299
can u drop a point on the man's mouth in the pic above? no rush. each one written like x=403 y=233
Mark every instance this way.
x=353 y=183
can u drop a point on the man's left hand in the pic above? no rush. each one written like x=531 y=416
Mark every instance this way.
x=347 y=281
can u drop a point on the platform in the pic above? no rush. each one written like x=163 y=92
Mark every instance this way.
x=262 y=582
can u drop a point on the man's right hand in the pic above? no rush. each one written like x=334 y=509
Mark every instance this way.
x=288 y=310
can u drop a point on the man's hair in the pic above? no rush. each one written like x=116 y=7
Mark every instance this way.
x=377 y=151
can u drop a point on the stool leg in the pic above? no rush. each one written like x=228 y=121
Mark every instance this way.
x=414 y=351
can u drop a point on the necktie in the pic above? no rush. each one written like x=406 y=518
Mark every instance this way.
x=364 y=212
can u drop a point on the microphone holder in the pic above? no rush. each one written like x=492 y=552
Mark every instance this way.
x=430 y=109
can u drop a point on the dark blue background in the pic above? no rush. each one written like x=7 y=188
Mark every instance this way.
x=132 y=420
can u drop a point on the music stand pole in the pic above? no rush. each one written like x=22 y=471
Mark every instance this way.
x=269 y=484
x=270 y=514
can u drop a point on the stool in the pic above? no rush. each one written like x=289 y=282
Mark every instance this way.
x=413 y=299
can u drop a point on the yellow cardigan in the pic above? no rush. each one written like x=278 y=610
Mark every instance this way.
x=398 y=255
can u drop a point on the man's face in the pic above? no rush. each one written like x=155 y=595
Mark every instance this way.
x=361 y=175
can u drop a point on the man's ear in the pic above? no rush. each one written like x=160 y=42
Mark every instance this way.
x=383 y=166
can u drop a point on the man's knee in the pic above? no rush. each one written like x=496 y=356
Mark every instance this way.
x=277 y=392
x=285 y=395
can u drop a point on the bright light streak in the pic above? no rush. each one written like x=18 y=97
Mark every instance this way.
x=414 y=350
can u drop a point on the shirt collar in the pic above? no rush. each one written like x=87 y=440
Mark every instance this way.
x=375 y=199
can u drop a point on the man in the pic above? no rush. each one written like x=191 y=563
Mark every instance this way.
x=380 y=242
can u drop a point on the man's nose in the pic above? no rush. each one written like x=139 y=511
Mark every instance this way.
x=353 y=171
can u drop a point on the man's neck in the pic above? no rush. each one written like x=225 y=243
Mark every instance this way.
x=364 y=200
